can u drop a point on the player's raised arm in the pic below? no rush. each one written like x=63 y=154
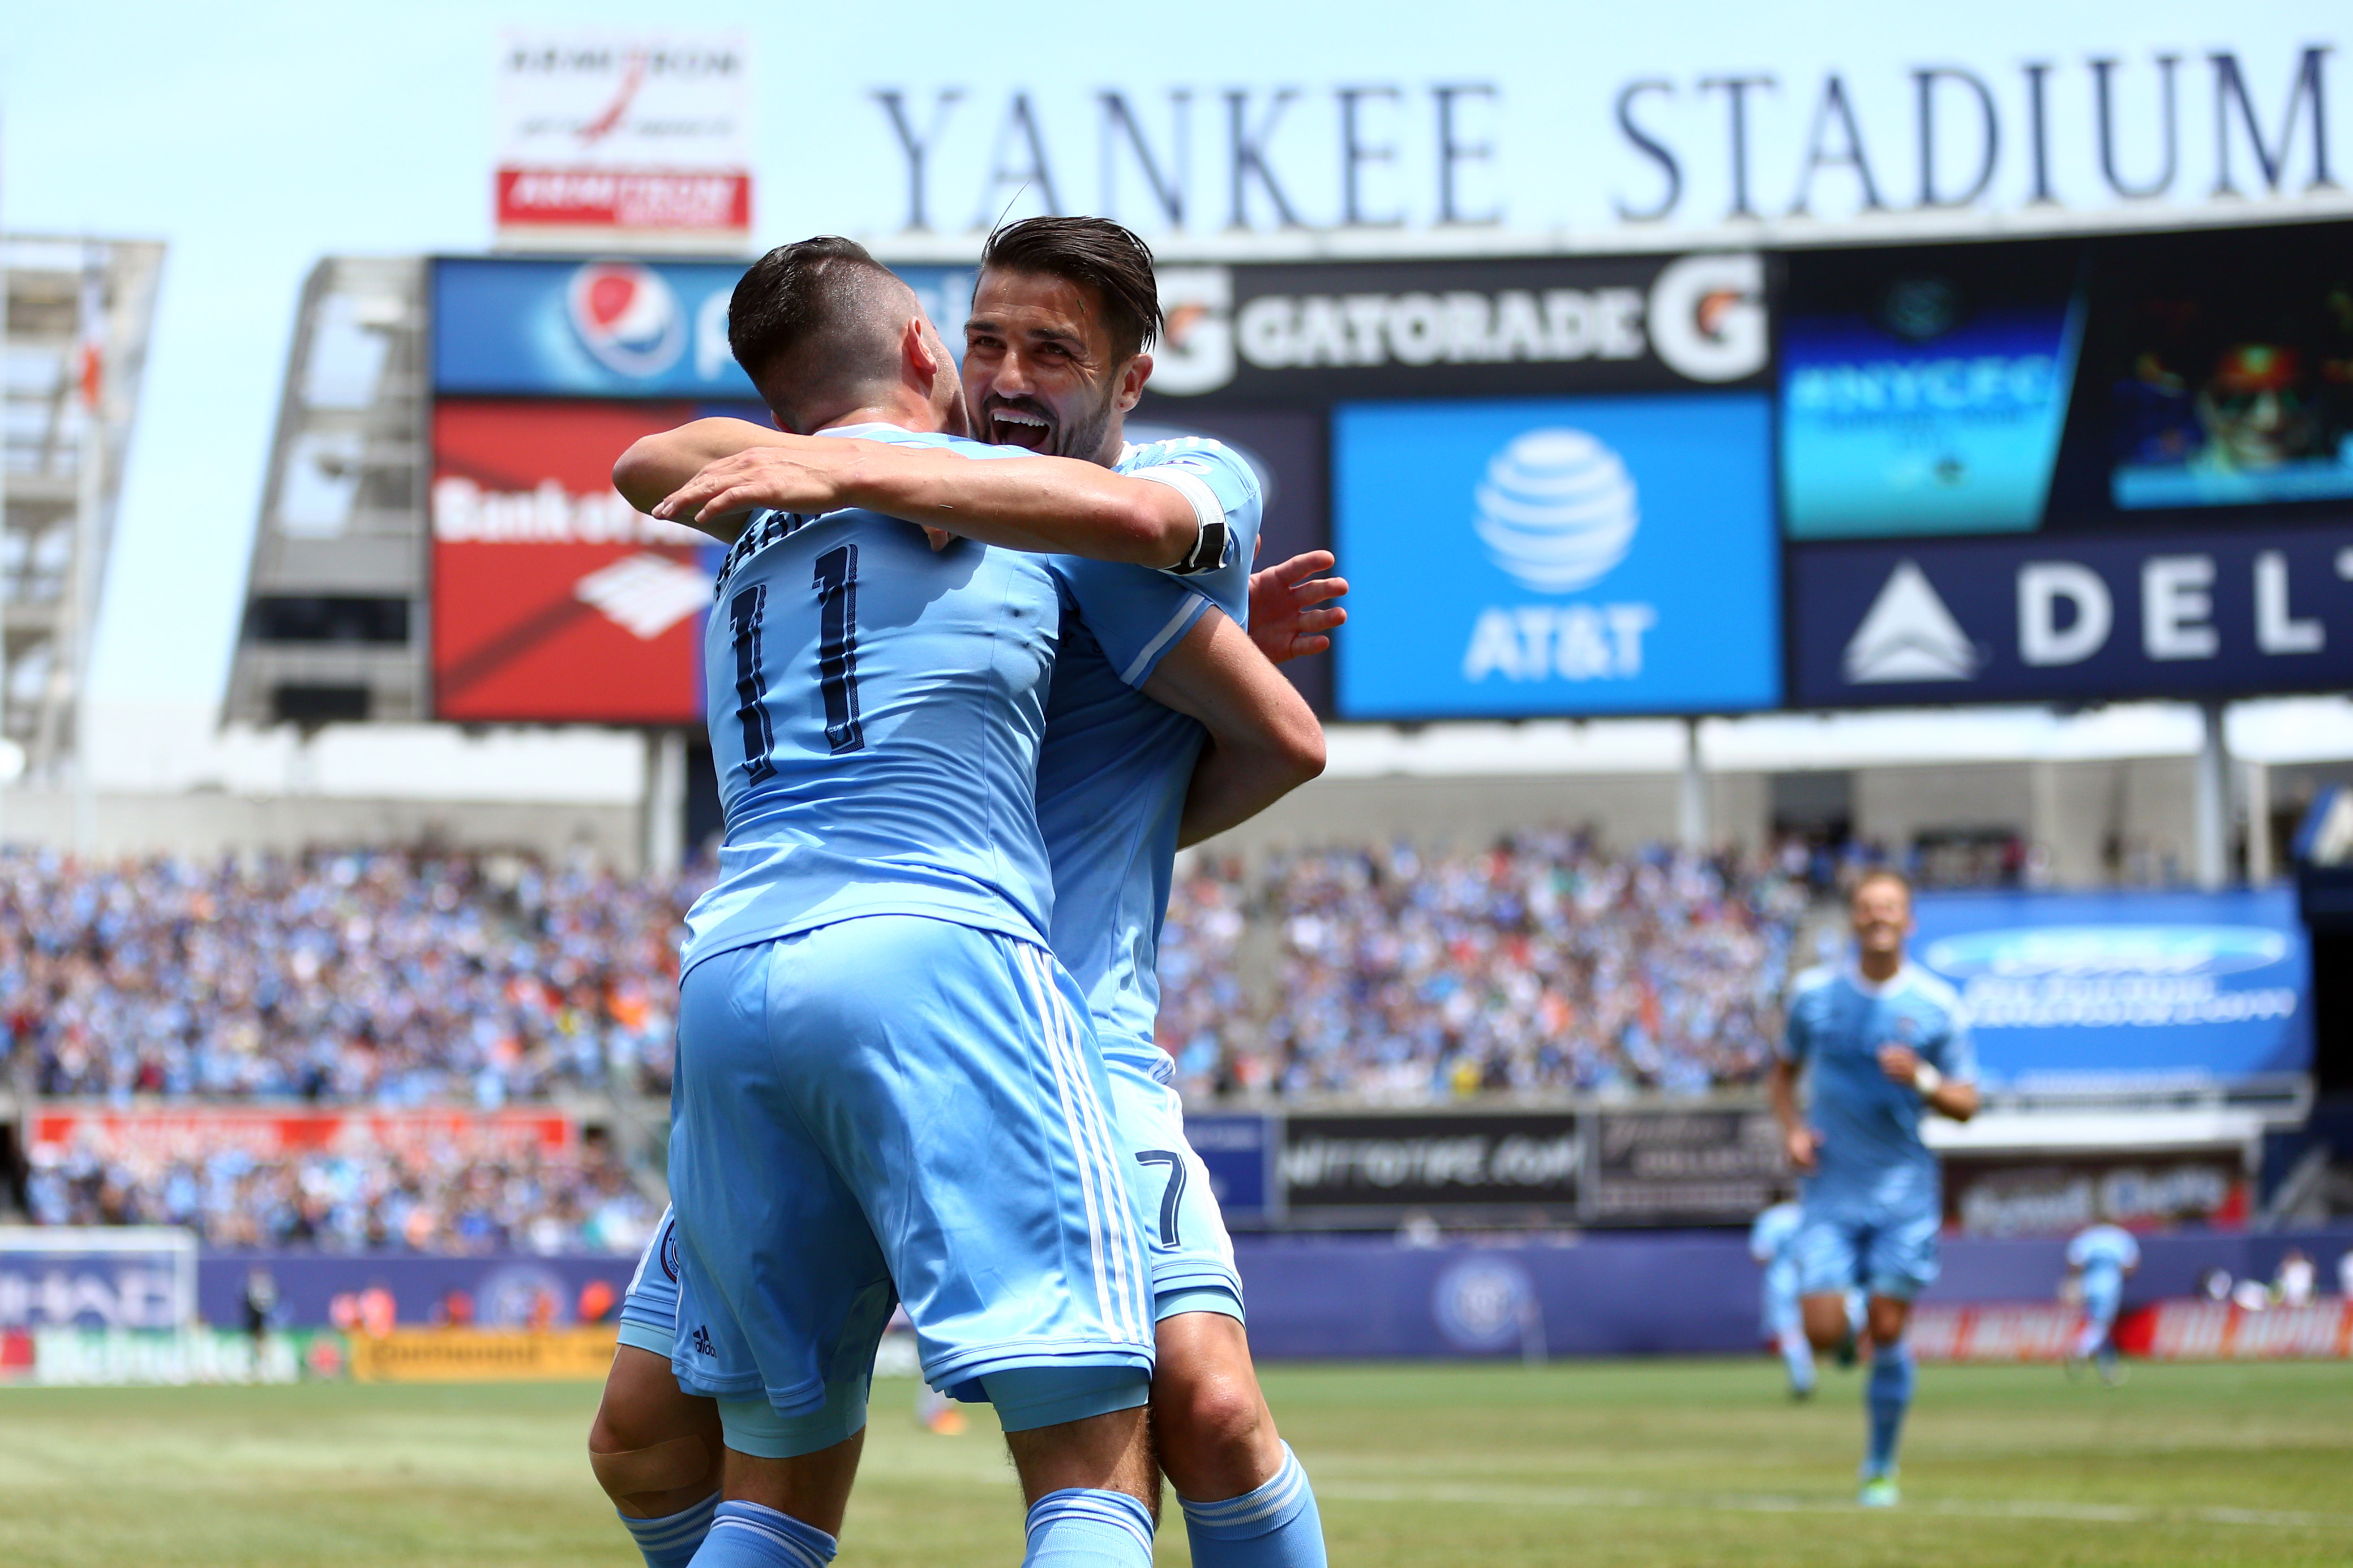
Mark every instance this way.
x=656 y=466
x=1054 y=506
x=1265 y=740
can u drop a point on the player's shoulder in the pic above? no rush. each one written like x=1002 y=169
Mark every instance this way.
x=1931 y=987
x=1203 y=453
x=1814 y=980
x=940 y=440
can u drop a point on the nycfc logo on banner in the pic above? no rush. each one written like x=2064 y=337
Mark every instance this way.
x=1909 y=635
x=521 y=1295
x=628 y=317
x=1557 y=510
x=1484 y=1303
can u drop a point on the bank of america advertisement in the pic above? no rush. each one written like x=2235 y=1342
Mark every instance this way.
x=553 y=600
x=2105 y=991
x=1556 y=556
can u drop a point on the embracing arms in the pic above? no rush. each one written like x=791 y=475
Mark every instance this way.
x=1263 y=741
x=709 y=474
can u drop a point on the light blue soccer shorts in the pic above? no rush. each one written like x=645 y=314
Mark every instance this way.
x=1192 y=1257
x=650 y=1307
x=1884 y=1255
x=897 y=1109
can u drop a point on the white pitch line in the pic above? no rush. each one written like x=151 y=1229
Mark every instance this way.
x=1736 y=1502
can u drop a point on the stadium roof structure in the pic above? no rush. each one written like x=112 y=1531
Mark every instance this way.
x=78 y=312
x=336 y=597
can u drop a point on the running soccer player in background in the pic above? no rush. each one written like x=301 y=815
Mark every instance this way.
x=2098 y=1258
x=1880 y=1045
x=1062 y=312
x=1772 y=1242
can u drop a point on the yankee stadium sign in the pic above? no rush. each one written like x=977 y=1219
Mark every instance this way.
x=1585 y=122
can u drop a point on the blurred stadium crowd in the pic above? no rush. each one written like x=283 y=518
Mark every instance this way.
x=396 y=979
x=375 y=977
x=1540 y=965
x=451 y=1198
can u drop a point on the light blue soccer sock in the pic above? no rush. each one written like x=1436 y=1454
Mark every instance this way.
x=1277 y=1526
x=748 y=1535
x=1888 y=1395
x=1798 y=1356
x=1077 y=1528
x=669 y=1541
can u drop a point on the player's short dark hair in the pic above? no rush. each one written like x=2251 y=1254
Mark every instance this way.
x=1095 y=254
x=820 y=294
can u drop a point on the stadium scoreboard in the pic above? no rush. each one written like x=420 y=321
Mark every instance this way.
x=2067 y=468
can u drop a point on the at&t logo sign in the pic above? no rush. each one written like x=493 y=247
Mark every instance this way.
x=1557 y=511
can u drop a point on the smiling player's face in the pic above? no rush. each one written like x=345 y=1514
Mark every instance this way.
x=1882 y=916
x=1039 y=370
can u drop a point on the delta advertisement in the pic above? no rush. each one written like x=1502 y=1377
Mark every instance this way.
x=2132 y=991
x=1557 y=555
x=556 y=601
x=2078 y=618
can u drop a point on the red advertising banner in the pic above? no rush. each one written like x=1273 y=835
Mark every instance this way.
x=719 y=203
x=553 y=600
x=1994 y=1330
x=2320 y=1330
x=265 y=1133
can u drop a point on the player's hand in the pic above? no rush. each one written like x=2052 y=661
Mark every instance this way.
x=940 y=537
x=807 y=476
x=1291 y=608
x=1901 y=1063
x=1804 y=1145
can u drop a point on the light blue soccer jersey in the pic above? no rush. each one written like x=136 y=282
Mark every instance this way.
x=876 y=711
x=2104 y=1249
x=1112 y=778
x=1874 y=1165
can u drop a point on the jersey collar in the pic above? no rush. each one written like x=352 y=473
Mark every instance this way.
x=865 y=432
x=1876 y=989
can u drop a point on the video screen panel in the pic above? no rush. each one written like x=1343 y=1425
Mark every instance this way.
x=553 y=600
x=1564 y=555
x=2106 y=384
x=2152 y=992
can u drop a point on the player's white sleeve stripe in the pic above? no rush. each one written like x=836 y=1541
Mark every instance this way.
x=1207 y=506
x=1047 y=1024
x=1097 y=1143
x=1176 y=623
x=1127 y=1255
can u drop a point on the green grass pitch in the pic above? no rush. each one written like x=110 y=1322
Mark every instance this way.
x=1592 y=1464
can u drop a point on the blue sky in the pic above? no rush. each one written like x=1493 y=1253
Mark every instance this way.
x=256 y=138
